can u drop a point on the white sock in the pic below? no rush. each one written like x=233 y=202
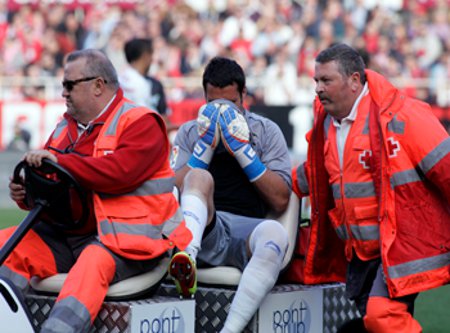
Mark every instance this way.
x=268 y=243
x=195 y=214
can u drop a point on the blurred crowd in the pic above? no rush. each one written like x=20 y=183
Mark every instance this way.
x=275 y=41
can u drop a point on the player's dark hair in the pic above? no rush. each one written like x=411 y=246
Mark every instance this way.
x=222 y=72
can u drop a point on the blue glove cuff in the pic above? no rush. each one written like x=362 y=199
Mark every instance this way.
x=250 y=163
x=201 y=156
x=255 y=169
x=194 y=162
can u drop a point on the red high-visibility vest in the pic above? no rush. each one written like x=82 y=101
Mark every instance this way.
x=147 y=222
x=409 y=163
x=355 y=216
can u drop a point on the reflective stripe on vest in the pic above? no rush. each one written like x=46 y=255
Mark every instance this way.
x=138 y=233
x=419 y=266
x=356 y=216
x=365 y=130
x=59 y=129
x=405 y=177
x=429 y=161
x=354 y=190
x=301 y=179
x=396 y=126
x=363 y=233
x=59 y=133
x=326 y=125
x=115 y=227
x=112 y=128
x=150 y=187
x=171 y=224
x=148 y=230
x=342 y=232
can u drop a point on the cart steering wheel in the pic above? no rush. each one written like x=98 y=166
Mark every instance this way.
x=64 y=202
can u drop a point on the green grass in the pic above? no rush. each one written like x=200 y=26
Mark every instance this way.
x=431 y=307
x=11 y=216
x=432 y=310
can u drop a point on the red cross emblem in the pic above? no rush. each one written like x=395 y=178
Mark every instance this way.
x=393 y=147
x=364 y=158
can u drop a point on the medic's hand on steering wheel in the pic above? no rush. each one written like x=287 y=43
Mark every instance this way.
x=34 y=157
x=39 y=181
x=16 y=191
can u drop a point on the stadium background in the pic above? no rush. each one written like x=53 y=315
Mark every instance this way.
x=274 y=41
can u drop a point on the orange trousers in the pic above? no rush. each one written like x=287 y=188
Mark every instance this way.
x=381 y=314
x=385 y=315
x=89 y=274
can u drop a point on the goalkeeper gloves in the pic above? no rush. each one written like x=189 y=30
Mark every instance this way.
x=208 y=131
x=235 y=136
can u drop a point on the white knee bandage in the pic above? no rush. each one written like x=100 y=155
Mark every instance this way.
x=268 y=243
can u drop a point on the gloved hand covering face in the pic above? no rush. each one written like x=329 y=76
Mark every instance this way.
x=235 y=135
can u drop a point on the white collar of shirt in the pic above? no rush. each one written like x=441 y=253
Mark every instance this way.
x=352 y=115
x=81 y=127
x=343 y=128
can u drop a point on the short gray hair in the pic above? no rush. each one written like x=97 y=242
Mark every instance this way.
x=97 y=64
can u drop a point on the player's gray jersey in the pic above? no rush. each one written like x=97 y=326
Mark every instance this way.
x=266 y=139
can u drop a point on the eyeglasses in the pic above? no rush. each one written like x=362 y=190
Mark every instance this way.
x=69 y=84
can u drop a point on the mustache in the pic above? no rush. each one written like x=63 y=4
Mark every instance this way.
x=324 y=98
